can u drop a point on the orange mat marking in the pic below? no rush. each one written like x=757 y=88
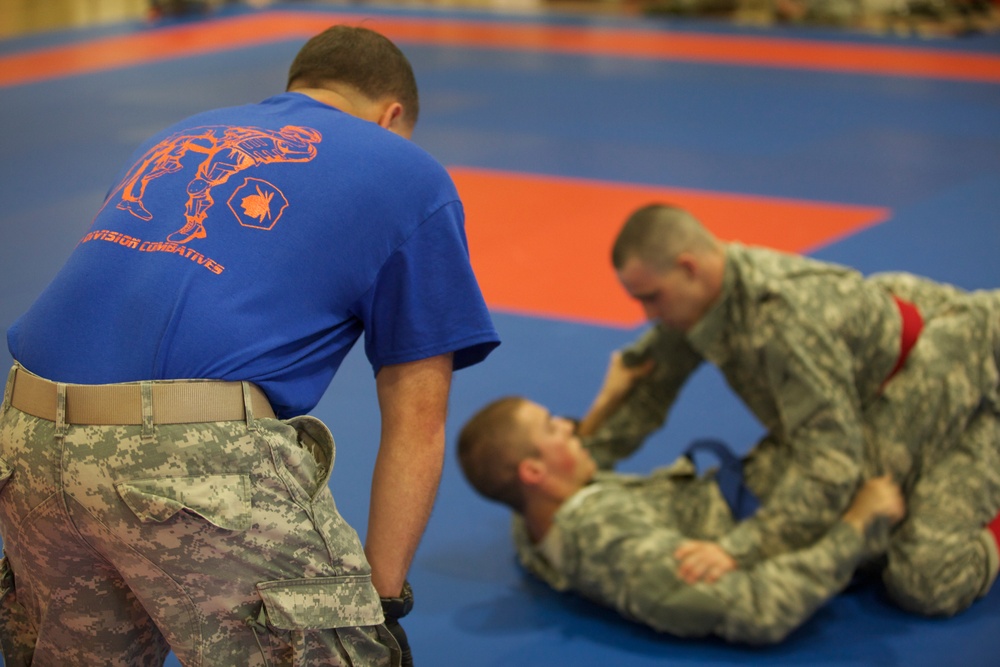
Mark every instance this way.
x=248 y=30
x=541 y=245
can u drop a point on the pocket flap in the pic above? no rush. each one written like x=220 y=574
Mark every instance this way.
x=222 y=500
x=321 y=602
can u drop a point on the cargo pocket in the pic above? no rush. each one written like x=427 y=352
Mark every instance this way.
x=6 y=472
x=313 y=439
x=17 y=634
x=222 y=500
x=309 y=621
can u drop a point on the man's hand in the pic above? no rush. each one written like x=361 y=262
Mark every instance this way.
x=879 y=496
x=619 y=378
x=394 y=609
x=393 y=626
x=618 y=382
x=702 y=561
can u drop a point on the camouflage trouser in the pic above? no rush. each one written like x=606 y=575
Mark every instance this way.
x=936 y=428
x=219 y=541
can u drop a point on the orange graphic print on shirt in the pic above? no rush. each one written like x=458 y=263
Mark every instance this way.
x=228 y=150
x=257 y=204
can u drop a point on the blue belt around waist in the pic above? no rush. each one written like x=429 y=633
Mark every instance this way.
x=742 y=502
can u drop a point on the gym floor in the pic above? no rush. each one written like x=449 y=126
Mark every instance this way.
x=878 y=152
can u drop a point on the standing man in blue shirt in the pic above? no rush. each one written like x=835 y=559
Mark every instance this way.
x=163 y=487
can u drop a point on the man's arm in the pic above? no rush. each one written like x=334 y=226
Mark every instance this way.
x=413 y=399
x=644 y=408
x=818 y=420
x=764 y=604
x=820 y=416
x=618 y=382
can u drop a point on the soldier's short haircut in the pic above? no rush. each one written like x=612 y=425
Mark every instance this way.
x=656 y=234
x=490 y=448
x=361 y=58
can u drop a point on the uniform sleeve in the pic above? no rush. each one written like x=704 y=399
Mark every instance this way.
x=810 y=377
x=761 y=605
x=647 y=405
x=764 y=604
x=426 y=300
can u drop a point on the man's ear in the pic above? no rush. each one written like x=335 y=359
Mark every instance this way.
x=531 y=471
x=392 y=118
x=688 y=263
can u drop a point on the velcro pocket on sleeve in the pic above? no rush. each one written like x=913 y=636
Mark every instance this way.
x=222 y=500
x=321 y=602
x=802 y=389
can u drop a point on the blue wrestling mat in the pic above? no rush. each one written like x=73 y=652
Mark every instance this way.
x=879 y=153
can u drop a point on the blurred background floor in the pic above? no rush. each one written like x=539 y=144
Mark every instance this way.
x=923 y=18
x=30 y=16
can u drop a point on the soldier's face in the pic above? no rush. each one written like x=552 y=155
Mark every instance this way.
x=669 y=296
x=558 y=446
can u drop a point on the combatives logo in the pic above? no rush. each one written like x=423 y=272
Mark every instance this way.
x=227 y=151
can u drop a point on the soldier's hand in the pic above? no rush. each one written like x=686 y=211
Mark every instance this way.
x=394 y=609
x=877 y=497
x=619 y=378
x=393 y=626
x=702 y=561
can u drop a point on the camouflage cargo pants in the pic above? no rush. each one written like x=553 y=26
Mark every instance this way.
x=936 y=428
x=219 y=541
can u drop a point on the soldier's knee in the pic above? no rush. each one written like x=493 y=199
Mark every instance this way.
x=932 y=587
x=925 y=601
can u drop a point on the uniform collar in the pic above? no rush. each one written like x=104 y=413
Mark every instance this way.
x=708 y=336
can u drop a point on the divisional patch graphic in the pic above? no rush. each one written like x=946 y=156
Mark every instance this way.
x=228 y=150
x=258 y=204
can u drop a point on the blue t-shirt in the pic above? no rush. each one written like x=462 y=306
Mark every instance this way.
x=258 y=243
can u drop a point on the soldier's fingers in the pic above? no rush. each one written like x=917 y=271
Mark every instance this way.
x=687 y=570
x=685 y=549
x=694 y=568
x=690 y=575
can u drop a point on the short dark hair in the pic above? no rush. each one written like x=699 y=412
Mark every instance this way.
x=490 y=448
x=361 y=58
x=656 y=234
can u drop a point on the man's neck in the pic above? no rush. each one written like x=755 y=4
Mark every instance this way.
x=329 y=97
x=541 y=505
x=713 y=277
x=538 y=517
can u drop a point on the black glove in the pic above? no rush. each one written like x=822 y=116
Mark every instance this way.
x=394 y=609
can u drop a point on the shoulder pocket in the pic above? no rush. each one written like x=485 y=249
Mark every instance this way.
x=222 y=500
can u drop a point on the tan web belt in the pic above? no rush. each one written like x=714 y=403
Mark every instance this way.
x=174 y=401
